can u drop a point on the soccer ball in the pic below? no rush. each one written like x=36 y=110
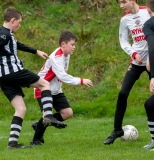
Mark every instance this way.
x=130 y=133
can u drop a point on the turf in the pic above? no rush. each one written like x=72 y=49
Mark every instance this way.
x=81 y=140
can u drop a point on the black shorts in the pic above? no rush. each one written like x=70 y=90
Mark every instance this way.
x=59 y=102
x=11 y=84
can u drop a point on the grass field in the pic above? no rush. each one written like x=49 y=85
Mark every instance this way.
x=81 y=140
x=98 y=56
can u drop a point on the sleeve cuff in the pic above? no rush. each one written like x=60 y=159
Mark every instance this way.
x=81 y=80
x=134 y=54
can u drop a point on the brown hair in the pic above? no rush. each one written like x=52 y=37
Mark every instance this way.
x=150 y=4
x=66 y=36
x=11 y=13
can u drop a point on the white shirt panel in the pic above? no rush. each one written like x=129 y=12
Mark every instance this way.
x=131 y=24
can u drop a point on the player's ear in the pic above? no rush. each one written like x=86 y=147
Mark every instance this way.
x=63 y=44
x=12 y=20
x=149 y=10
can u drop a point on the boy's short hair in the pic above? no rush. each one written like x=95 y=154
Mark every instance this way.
x=150 y=4
x=10 y=13
x=66 y=36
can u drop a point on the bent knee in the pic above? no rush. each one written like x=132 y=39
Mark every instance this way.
x=66 y=113
x=70 y=113
x=43 y=84
x=123 y=94
x=148 y=105
x=23 y=109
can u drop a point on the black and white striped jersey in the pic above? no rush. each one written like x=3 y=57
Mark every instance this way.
x=9 y=46
x=148 y=30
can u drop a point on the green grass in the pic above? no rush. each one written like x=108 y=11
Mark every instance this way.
x=97 y=56
x=81 y=140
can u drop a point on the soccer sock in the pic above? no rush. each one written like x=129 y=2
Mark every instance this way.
x=58 y=117
x=46 y=99
x=150 y=114
x=151 y=129
x=16 y=126
x=40 y=129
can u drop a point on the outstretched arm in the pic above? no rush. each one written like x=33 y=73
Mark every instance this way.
x=26 y=48
x=87 y=82
x=42 y=54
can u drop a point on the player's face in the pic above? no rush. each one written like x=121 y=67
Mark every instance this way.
x=15 y=24
x=69 y=47
x=127 y=5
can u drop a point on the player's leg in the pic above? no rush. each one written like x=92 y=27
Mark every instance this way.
x=26 y=78
x=46 y=99
x=130 y=78
x=64 y=112
x=16 y=124
x=150 y=118
x=15 y=96
x=39 y=128
x=62 y=107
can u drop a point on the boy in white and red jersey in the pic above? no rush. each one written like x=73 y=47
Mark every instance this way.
x=148 y=30
x=131 y=24
x=55 y=72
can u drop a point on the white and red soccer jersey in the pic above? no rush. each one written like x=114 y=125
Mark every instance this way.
x=131 y=24
x=55 y=72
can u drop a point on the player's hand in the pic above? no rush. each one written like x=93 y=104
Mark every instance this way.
x=152 y=85
x=138 y=59
x=87 y=82
x=42 y=54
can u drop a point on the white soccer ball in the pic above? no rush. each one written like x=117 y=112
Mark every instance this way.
x=130 y=133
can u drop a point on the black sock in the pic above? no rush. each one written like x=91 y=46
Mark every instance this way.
x=16 y=126
x=40 y=129
x=58 y=117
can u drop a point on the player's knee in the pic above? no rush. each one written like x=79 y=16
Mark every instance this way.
x=21 y=110
x=123 y=94
x=70 y=113
x=66 y=113
x=148 y=105
x=43 y=84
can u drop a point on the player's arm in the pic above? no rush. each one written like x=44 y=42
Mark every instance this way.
x=26 y=48
x=150 y=40
x=124 y=39
x=4 y=39
x=149 y=33
x=58 y=69
x=148 y=63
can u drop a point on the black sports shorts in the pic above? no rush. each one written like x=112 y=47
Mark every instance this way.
x=11 y=84
x=59 y=102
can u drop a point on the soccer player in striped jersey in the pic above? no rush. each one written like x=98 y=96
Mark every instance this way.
x=148 y=30
x=55 y=72
x=13 y=77
x=130 y=25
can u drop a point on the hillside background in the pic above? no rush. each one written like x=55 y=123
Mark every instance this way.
x=97 y=56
